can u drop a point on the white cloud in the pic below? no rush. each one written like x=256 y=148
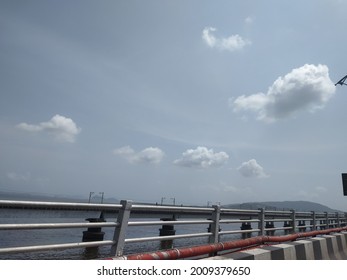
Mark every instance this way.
x=201 y=157
x=306 y=88
x=64 y=129
x=147 y=155
x=251 y=169
x=232 y=43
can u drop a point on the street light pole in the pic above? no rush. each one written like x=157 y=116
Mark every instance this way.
x=90 y=196
x=174 y=200
x=102 y=197
x=162 y=200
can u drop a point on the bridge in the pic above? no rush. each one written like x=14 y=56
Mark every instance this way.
x=227 y=233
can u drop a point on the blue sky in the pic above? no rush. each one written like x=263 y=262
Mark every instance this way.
x=201 y=101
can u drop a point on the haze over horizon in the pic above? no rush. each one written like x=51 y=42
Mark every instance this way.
x=223 y=101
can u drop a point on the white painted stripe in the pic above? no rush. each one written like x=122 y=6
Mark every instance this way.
x=288 y=250
x=327 y=248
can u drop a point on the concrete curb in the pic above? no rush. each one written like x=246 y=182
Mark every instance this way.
x=325 y=247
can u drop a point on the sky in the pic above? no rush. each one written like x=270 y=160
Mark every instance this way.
x=193 y=102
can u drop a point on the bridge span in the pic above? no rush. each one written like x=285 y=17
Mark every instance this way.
x=228 y=233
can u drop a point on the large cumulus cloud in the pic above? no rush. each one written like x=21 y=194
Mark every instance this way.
x=62 y=128
x=307 y=88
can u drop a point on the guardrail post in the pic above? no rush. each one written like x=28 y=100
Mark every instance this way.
x=313 y=221
x=337 y=219
x=293 y=221
x=261 y=223
x=214 y=227
x=120 y=231
x=326 y=220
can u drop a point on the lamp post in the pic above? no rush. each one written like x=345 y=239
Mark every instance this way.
x=162 y=200
x=90 y=196
x=100 y=193
x=102 y=197
x=173 y=200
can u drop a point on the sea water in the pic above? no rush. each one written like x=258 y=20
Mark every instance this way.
x=19 y=238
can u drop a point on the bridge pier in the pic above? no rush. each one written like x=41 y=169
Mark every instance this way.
x=167 y=230
x=93 y=234
x=270 y=225
x=246 y=226
x=287 y=224
x=322 y=224
x=302 y=223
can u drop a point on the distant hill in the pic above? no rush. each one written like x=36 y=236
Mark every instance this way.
x=269 y=205
x=283 y=205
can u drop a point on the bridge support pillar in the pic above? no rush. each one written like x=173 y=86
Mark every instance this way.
x=302 y=223
x=322 y=224
x=270 y=225
x=287 y=224
x=167 y=230
x=94 y=233
x=246 y=226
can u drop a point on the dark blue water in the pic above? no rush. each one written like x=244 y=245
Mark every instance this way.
x=17 y=238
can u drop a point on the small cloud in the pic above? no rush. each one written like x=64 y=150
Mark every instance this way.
x=251 y=169
x=202 y=157
x=148 y=155
x=232 y=43
x=125 y=151
x=62 y=128
x=307 y=88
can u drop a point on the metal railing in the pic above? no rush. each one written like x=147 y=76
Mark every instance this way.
x=260 y=222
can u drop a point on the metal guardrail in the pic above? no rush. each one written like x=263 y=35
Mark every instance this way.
x=225 y=247
x=215 y=217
